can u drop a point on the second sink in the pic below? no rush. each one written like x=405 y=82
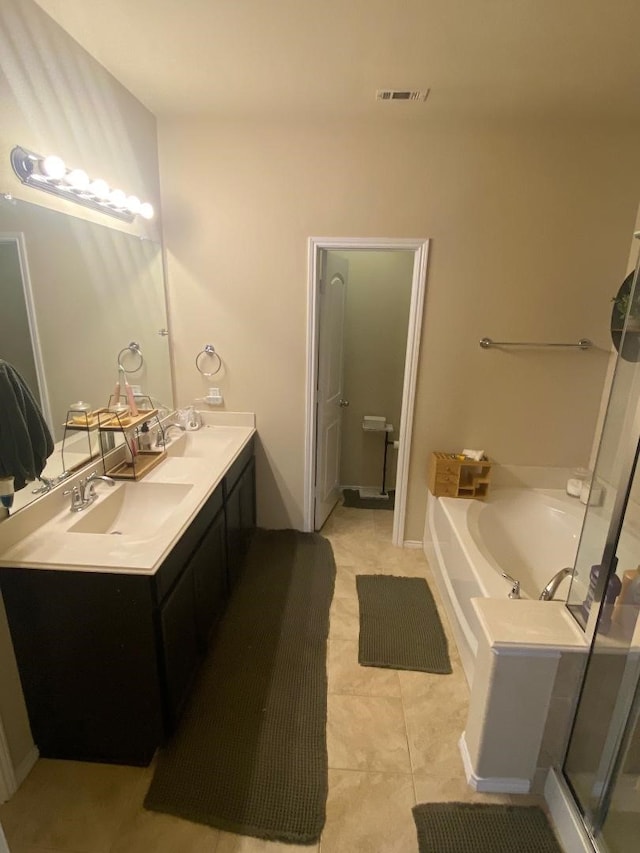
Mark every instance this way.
x=133 y=509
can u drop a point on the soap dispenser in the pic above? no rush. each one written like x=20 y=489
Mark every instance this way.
x=144 y=439
x=193 y=419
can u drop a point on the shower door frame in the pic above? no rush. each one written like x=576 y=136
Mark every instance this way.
x=627 y=705
x=420 y=248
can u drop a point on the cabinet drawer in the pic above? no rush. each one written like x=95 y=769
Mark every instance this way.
x=447 y=468
x=446 y=490
x=170 y=570
x=446 y=478
x=233 y=474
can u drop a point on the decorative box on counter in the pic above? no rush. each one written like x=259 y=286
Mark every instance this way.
x=456 y=476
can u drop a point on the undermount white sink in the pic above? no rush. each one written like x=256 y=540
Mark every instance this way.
x=201 y=444
x=132 y=509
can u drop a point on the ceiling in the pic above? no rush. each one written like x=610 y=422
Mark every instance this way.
x=567 y=59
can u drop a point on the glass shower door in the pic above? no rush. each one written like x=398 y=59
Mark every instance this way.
x=602 y=765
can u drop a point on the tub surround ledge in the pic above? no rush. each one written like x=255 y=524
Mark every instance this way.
x=528 y=625
x=523 y=649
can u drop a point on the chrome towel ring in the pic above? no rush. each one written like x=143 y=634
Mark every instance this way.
x=209 y=350
x=133 y=348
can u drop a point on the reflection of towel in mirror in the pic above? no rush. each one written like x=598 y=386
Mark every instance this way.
x=25 y=440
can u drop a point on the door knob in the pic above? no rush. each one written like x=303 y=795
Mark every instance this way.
x=343 y=403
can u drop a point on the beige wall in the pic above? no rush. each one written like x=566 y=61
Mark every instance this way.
x=530 y=230
x=94 y=290
x=15 y=336
x=620 y=393
x=57 y=99
x=375 y=343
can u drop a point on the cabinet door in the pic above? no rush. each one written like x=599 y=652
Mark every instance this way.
x=209 y=565
x=241 y=520
x=179 y=644
x=248 y=503
x=234 y=535
x=85 y=644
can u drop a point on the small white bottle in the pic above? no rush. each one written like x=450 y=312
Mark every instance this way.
x=577 y=477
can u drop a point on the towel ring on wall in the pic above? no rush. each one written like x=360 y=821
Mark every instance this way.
x=209 y=350
x=135 y=349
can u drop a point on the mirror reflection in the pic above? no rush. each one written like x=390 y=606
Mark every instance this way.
x=75 y=294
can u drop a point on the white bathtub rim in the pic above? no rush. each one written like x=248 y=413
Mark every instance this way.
x=444 y=577
x=488 y=571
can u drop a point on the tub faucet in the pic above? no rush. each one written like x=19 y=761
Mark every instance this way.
x=515 y=589
x=552 y=587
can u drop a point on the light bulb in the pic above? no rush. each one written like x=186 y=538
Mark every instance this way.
x=99 y=188
x=133 y=204
x=118 y=198
x=78 y=179
x=53 y=167
x=146 y=210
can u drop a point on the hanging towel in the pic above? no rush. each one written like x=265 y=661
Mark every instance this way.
x=25 y=440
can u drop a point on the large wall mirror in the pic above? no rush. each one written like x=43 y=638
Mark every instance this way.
x=75 y=294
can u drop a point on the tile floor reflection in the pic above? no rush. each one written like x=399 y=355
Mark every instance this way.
x=391 y=737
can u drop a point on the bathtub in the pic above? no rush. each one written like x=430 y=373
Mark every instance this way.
x=528 y=533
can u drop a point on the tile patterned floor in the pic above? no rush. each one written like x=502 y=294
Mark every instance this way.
x=391 y=736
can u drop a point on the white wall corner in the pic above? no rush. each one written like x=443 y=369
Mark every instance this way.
x=490 y=785
x=26 y=765
x=508 y=710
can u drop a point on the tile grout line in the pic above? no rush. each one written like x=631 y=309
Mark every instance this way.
x=406 y=733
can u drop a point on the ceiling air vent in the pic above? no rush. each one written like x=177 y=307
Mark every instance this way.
x=402 y=94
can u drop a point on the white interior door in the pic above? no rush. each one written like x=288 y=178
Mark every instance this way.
x=333 y=285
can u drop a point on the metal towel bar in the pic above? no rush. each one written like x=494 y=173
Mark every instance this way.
x=486 y=343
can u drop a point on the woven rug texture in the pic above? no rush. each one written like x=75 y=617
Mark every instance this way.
x=483 y=828
x=250 y=753
x=400 y=627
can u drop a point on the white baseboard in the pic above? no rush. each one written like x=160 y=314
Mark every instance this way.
x=26 y=765
x=412 y=543
x=490 y=784
x=565 y=817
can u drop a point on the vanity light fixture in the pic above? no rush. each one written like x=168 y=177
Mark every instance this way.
x=52 y=175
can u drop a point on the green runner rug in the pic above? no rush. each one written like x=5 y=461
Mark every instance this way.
x=250 y=753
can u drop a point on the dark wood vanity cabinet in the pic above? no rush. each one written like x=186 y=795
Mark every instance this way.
x=107 y=660
x=241 y=520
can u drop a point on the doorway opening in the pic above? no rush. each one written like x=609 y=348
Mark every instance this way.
x=353 y=315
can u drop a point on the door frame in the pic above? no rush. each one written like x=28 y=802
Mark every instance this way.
x=420 y=248
x=17 y=239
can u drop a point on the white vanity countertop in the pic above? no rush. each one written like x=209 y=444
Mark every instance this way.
x=37 y=537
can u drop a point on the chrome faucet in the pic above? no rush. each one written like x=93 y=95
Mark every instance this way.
x=77 y=501
x=552 y=587
x=88 y=488
x=47 y=483
x=515 y=589
x=83 y=494
x=162 y=437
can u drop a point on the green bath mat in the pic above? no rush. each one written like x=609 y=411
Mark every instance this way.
x=351 y=498
x=250 y=754
x=483 y=828
x=399 y=625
